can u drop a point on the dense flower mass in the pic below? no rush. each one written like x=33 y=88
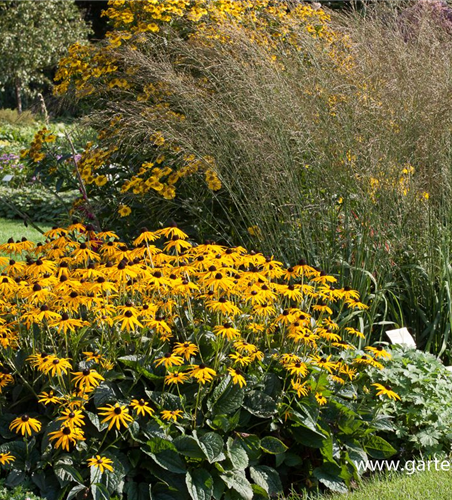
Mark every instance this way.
x=119 y=336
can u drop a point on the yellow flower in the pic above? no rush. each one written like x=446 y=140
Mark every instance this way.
x=141 y=407
x=300 y=388
x=129 y=321
x=227 y=331
x=25 y=425
x=171 y=415
x=237 y=377
x=386 y=391
x=6 y=458
x=320 y=398
x=66 y=436
x=124 y=210
x=202 y=374
x=87 y=379
x=169 y=360
x=48 y=397
x=176 y=378
x=101 y=463
x=186 y=349
x=378 y=352
x=116 y=415
x=240 y=359
x=57 y=366
x=72 y=418
x=101 y=180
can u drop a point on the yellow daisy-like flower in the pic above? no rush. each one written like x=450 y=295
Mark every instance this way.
x=101 y=463
x=6 y=458
x=124 y=210
x=87 y=379
x=386 y=391
x=176 y=378
x=117 y=415
x=237 y=377
x=66 y=436
x=48 y=397
x=169 y=360
x=57 y=366
x=186 y=349
x=171 y=415
x=72 y=418
x=378 y=352
x=227 y=331
x=202 y=374
x=240 y=359
x=25 y=425
x=141 y=407
x=300 y=388
x=320 y=398
x=298 y=368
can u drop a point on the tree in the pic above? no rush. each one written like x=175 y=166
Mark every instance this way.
x=34 y=35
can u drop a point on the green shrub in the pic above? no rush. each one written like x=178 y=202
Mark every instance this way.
x=422 y=420
x=18 y=493
x=35 y=202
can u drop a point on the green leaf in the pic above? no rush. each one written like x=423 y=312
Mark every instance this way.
x=137 y=491
x=200 y=484
x=212 y=445
x=166 y=455
x=66 y=472
x=238 y=482
x=226 y=398
x=267 y=478
x=75 y=491
x=260 y=404
x=236 y=454
x=94 y=419
x=329 y=476
x=188 y=446
x=103 y=394
x=251 y=444
x=273 y=445
x=99 y=491
x=377 y=447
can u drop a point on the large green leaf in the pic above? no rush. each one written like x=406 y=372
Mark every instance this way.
x=188 y=446
x=104 y=394
x=200 y=484
x=251 y=444
x=165 y=454
x=137 y=491
x=267 y=478
x=260 y=404
x=212 y=445
x=236 y=454
x=329 y=476
x=238 y=482
x=273 y=445
x=226 y=398
x=377 y=447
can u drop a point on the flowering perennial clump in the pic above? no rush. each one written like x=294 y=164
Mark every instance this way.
x=113 y=344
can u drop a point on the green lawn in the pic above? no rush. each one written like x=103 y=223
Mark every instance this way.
x=12 y=228
x=433 y=485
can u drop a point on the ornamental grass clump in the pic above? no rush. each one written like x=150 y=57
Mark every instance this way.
x=280 y=125
x=171 y=368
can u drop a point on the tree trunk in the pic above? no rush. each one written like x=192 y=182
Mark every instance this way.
x=18 y=87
